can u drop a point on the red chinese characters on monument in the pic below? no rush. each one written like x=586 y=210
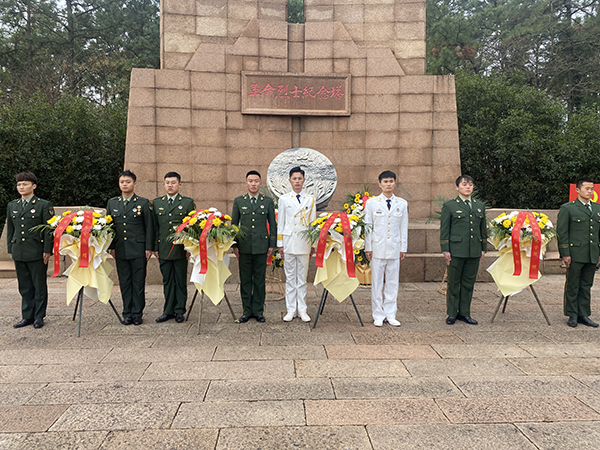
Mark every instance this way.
x=295 y=94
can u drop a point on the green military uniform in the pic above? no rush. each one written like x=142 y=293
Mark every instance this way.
x=172 y=258
x=27 y=249
x=463 y=233
x=258 y=223
x=134 y=234
x=579 y=237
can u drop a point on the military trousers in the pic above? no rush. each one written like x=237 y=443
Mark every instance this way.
x=296 y=271
x=578 y=286
x=462 y=273
x=31 y=276
x=132 y=281
x=174 y=274
x=252 y=283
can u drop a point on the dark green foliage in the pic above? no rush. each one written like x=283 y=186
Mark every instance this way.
x=295 y=11
x=74 y=147
x=520 y=145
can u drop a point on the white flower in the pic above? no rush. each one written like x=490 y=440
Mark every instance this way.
x=77 y=227
x=102 y=221
x=359 y=208
x=218 y=214
x=212 y=210
x=337 y=220
x=323 y=214
x=97 y=227
x=79 y=219
x=80 y=213
x=352 y=223
x=98 y=211
x=360 y=201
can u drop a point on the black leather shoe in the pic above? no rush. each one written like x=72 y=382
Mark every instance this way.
x=38 y=323
x=244 y=319
x=586 y=321
x=23 y=323
x=137 y=320
x=572 y=322
x=450 y=320
x=260 y=319
x=165 y=317
x=127 y=320
x=467 y=319
x=179 y=318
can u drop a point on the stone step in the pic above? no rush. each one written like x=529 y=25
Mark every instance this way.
x=7 y=269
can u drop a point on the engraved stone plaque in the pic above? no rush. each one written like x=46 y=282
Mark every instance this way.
x=321 y=177
x=295 y=94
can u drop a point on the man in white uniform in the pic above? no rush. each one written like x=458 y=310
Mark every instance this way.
x=296 y=211
x=385 y=246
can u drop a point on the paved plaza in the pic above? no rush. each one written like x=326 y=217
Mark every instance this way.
x=514 y=384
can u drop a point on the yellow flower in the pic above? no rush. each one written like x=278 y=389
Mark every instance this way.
x=227 y=217
x=356 y=252
x=514 y=219
x=542 y=226
x=108 y=219
x=315 y=223
x=357 y=197
x=186 y=219
x=69 y=229
x=507 y=223
x=96 y=215
x=339 y=228
x=216 y=222
x=348 y=211
x=94 y=222
x=499 y=216
x=225 y=224
x=346 y=206
x=366 y=193
x=74 y=219
x=352 y=207
x=203 y=223
x=52 y=220
x=193 y=220
x=359 y=258
x=235 y=227
x=192 y=213
x=544 y=220
x=66 y=213
x=353 y=217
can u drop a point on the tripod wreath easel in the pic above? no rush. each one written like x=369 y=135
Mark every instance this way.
x=189 y=311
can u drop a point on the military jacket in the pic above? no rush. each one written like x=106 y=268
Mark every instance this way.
x=167 y=218
x=294 y=219
x=387 y=233
x=253 y=221
x=23 y=244
x=134 y=227
x=463 y=233
x=579 y=231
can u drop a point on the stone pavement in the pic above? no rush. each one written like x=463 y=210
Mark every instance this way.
x=514 y=384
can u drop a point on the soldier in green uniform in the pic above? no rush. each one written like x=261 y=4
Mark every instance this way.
x=463 y=238
x=578 y=228
x=29 y=250
x=169 y=211
x=255 y=214
x=132 y=245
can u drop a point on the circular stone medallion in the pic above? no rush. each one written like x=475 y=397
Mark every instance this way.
x=321 y=177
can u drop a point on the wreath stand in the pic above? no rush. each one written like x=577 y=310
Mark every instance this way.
x=505 y=300
x=79 y=304
x=201 y=305
x=322 y=305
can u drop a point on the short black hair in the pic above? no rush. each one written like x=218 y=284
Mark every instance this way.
x=296 y=169
x=128 y=173
x=583 y=180
x=253 y=172
x=172 y=175
x=26 y=176
x=467 y=178
x=387 y=174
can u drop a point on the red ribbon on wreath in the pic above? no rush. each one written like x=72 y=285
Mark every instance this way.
x=536 y=244
x=322 y=242
x=84 y=249
x=203 y=244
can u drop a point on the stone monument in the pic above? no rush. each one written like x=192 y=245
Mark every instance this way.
x=238 y=85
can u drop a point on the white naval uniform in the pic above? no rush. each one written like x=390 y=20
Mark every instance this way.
x=293 y=218
x=387 y=238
